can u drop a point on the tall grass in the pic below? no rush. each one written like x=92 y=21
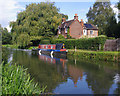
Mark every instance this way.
x=15 y=80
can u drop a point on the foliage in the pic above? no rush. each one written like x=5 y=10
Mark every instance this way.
x=102 y=15
x=68 y=34
x=41 y=19
x=33 y=47
x=45 y=41
x=23 y=40
x=6 y=36
x=118 y=25
x=0 y=79
x=84 y=43
x=118 y=6
x=10 y=46
x=17 y=81
x=95 y=55
x=61 y=36
x=35 y=40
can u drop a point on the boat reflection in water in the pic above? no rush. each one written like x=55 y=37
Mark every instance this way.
x=53 y=60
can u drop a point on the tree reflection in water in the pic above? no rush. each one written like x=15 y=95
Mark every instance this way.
x=53 y=72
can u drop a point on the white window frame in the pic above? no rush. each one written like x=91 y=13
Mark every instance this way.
x=66 y=29
x=84 y=32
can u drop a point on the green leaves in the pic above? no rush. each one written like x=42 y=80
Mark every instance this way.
x=23 y=40
x=6 y=36
x=83 y=43
x=17 y=81
x=100 y=15
x=40 y=19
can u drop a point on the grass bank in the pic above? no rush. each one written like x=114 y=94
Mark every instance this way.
x=95 y=55
x=15 y=80
x=16 y=47
x=10 y=46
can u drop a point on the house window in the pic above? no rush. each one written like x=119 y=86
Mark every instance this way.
x=84 y=32
x=91 y=32
x=66 y=29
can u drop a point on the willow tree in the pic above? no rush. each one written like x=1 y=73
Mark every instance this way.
x=41 y=19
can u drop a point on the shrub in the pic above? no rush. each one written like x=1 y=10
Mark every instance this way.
x=15 y=80
x=61 y=36
x=83 y=43
x=45 y=41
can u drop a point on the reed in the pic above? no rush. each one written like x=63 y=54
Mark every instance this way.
x=16 y=80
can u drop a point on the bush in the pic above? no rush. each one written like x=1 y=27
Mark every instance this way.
x=45 y=41
x=61 y=36
x=83 y=43
x=15 y=80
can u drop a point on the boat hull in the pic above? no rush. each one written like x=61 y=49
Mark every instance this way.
x=55 y=53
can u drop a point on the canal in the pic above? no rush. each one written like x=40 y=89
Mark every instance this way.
x=68 y=75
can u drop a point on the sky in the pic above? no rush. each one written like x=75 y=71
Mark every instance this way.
x=10 y=8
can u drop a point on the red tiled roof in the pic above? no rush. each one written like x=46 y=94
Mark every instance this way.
x=67 y=23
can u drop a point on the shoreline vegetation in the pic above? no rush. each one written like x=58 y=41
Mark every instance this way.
x=113 y=56
x=16 y=80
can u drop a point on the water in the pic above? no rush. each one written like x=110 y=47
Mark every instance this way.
x=68 y=75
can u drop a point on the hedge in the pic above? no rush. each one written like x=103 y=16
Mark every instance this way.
x=83 y=43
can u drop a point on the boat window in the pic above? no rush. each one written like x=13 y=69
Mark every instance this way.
x=51 y=47
x=46 y=46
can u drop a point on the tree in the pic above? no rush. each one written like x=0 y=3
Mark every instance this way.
x=6 y=36
x=100 y=14
x=40 y=19
x=0 y=34
x=118 y=6
x=118 y=25
x=23 y=40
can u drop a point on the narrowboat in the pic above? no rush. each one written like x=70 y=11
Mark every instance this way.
x=52 y=49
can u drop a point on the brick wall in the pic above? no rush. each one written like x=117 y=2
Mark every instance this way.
x=76 y=30
x=95 y=33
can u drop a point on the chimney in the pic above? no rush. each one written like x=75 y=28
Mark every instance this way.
x=75 y=17
x=82 y=23
x=63 y=20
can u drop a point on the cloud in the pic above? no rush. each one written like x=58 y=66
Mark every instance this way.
x=8 y=11
x=115 y=9
x=8 y=28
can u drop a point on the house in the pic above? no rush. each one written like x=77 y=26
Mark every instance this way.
x=77 y=29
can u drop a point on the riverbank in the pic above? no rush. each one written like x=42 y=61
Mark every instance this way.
x=86 y=54
x=16 y=80
x=16 y=47
x=95 y=55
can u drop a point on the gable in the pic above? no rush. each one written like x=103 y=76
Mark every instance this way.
x=76 y=22
x=76 y=29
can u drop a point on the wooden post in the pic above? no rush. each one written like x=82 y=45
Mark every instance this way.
x=75 y=48
x=99 y=46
